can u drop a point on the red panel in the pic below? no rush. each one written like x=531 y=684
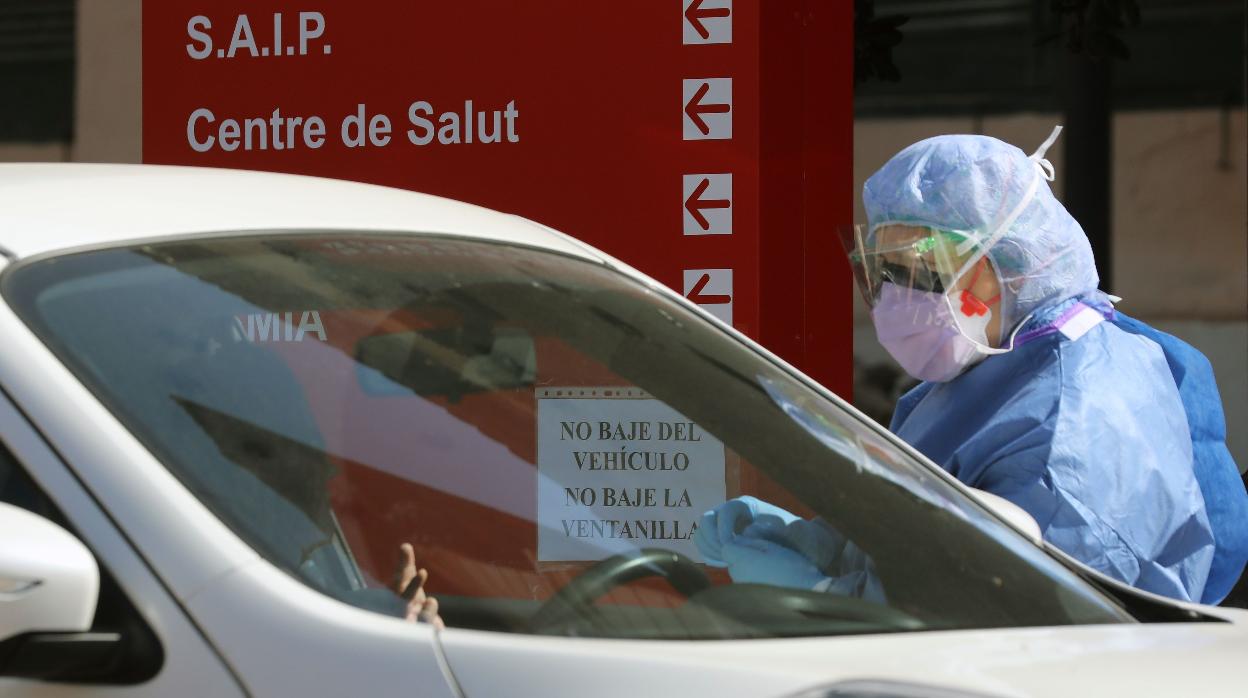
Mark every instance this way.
x=597 y=94
x=828 y=313
x=597 y=88
x=807 y=186
x=600 y=153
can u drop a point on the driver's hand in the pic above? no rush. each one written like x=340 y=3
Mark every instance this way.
x=409 y=582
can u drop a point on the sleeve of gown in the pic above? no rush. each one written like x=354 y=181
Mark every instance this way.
x=1098 y=452
x=851 y=572
x=840 y=567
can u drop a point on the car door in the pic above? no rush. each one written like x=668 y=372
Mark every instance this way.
x=256 y=626
x=163 y=653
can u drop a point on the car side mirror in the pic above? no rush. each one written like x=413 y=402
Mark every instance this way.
x=1012 y=513
x=49 y=581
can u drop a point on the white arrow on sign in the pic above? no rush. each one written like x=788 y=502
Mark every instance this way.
x=708 y=109
x=708 y=22
x=711 y=289
x=707 y=204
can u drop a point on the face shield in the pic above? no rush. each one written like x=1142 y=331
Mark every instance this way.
x=911 y=258
x=918 y=282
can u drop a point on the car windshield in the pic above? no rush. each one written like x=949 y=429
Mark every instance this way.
x=546 y=433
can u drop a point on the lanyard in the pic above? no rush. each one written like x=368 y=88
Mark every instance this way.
x=1074 y=323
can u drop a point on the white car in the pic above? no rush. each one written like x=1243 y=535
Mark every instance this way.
x=228 y=398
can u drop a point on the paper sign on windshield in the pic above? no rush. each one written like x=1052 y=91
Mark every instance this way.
x=619 y=470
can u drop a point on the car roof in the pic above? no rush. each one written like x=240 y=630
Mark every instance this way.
x=50 y=207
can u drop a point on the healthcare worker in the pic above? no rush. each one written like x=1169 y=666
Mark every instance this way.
x=1108 y=432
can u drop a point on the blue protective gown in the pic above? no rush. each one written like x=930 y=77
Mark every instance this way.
x=1226 y=500
x=1090 y=437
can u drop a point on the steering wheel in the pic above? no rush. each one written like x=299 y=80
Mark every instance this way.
x=775 y=608
x=576 y=599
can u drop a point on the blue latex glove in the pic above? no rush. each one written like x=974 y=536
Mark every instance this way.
x=815 y=540
x=726 y=522
x=758 y=561
x=844 y=569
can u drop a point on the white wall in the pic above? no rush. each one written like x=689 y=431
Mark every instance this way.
x=34 y=152
x=1180 y=219
x=108 y=119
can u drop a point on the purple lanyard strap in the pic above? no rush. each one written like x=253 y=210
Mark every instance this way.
x=1076 y=321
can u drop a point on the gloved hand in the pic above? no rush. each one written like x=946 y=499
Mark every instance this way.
x=843 y=567
x=726 y=521
x=758 y=561
x=815 y=539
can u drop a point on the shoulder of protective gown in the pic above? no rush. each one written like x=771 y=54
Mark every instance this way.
x=1121 y=465
x=1088 y=436
x=1221 y=484
x=1013 y=406
x=963 y=423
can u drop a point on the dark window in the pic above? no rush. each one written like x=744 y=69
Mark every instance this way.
x=36 y=70
x=1002 y=56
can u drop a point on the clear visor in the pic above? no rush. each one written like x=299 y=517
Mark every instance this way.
x=919 y=258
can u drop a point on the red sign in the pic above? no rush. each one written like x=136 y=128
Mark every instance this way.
x=707 y=140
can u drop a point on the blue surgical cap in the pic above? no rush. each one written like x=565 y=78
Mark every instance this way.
x=997 y=196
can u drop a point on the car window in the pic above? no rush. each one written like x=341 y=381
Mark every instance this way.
x=544 y=431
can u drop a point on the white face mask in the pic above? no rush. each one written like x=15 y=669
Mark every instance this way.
x=971 y=314
x=975 y=327
x=923 y=332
